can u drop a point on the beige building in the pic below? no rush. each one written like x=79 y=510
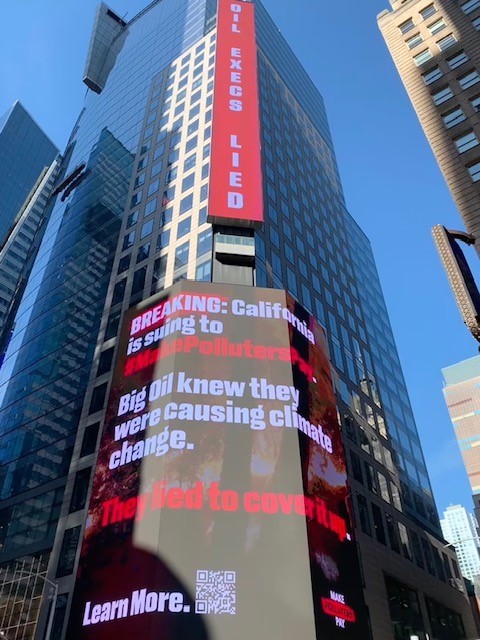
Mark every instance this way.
x=436 y=49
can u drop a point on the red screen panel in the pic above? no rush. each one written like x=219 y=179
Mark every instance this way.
x=236 y=196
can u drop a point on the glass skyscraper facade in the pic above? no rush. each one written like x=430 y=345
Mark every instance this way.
x=25 y=150
x=131 y=219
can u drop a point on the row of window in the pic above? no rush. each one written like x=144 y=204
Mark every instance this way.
x=470 y=5
x=453 y=62
x=466 y=81
x=434 y=28
x=425 y=13
x=426 y=54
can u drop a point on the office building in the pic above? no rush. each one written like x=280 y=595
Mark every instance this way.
x=20 y=246
x=435 y=49
x=28 y=169
x=25 y=151
x=460 y=529
x=130 y=219
x=434 y=46
x=462 y=396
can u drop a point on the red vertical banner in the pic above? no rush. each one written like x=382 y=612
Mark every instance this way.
x=236 y=195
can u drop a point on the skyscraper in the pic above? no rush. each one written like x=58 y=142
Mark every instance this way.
x=25 y=151
x=131 y=218
x=28 y=170
x=462 y=395
x=460 y=529
x=435 y=49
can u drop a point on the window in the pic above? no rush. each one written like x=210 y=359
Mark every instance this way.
x=189 y=162
x=428 y=11
x=466 y=142
x=442 y=96
x=170 y=177
x=153 y=187
x=163 y=239
x=89 y=441
x=132 y=218
x=407 y=552
x=98 y=398
x=474 y=171
x=188 y=182
x=68 y=552
x=143 y=252
x=186 y=203
x=406 y=26
x=417 y=550
x=80 y=490
x=147 y=229
x=476 y=23
x=112 y=325
x=413 y=41
x=138 y=280
x=469 y=79
x=192 y=127
x=356 y=467
x=203 y=272
x=392 y=533
x=369 y=472
x=124 y=263
x=136 y=198
x=175 y=139
x=457 y=60
x=184 y=227
x=476 y=103
x=431 y=76
x=202 y=215
x=452 y=118
x=128 y=240
x=437 y=26
x=139 y=180
x=105 y=361
x=194 y=112
x=470 y=6
x=204 y=242
x=364 y=515
x=445 y=622
x=191 y=144
x=382 y=482
x=150 y=207
x=446 y=42
x=422 y=57
x=159 y=151
x=181 y=255
x=173 y=156
x=159 y=271
x=156 y=169
x=118 y=291
x=378 y=524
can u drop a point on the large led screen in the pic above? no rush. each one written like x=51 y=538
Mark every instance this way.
x=235 y=189
x=219 y=507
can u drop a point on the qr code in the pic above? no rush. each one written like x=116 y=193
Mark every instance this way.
x=215 y=592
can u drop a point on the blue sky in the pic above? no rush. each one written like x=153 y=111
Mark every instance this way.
x=392 y=184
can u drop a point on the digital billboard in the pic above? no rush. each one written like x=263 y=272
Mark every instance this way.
x=219 y=506
x=235 y=195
